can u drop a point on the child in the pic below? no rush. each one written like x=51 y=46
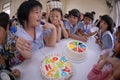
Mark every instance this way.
x=13 y=25
x=8 y=56
x=11 y=44
x=106 y=67
x=51 y=4
x=29 y=16
x=72 y=25
x=86 y=25
x=56 y=19
x=105 y=38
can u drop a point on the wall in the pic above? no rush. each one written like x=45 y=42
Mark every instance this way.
x=99 y=6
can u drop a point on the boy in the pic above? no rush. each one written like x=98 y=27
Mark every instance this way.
x=86 y=25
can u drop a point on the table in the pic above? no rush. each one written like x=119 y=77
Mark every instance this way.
x=30 y=69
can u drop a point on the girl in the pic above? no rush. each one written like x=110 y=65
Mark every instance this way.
x=56 y=19
x=86 y=25
x=105 y=38
x=51 y=4
x=109 y=62
x=9 y=44
x=13 y=25
x=29 y=16
x=72 y=25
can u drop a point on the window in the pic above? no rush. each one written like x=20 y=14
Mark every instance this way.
x=6 y=7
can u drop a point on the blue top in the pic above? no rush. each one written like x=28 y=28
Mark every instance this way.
x=85 y=28
x=72 y=29
x=39 y=41
x=107 y=40
x=13 y=29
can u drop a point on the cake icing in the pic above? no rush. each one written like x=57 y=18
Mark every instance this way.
x=76 y=50
x=56 y=67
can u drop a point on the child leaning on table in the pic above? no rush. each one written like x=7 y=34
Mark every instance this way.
x=106 y=68
x=86 y=25
x=72 y=25
x=56 y=19
x=29 y=15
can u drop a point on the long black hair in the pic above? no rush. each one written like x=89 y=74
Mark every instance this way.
x=109 y=21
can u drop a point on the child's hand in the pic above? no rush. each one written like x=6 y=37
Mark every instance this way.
x=56 y=23
x=24 y=47
x=61 y=24
x=97 y=40
x=16 y=72
x=48 y=26
x=84 y=38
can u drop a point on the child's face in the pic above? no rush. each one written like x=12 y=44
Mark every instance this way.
x=73 y=20
x=55 y=16
x=103 y=25
x=87 y=20
x=35 y=16
x=117 y=46
x=2 y=35
x=14 y=23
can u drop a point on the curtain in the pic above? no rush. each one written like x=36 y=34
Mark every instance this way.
x=117 y=13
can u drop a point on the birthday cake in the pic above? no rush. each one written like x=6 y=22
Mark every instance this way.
x=76 y=50
x=55 y=67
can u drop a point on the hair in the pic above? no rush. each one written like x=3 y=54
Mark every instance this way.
x=93 y=12
x=66 y=16
x=109 y=21
x=89 y=15
x=4 y=20
x=25 y=8
x=74 y=12
x=56 y=9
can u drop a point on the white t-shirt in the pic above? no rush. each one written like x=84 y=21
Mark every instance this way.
x=55 y=4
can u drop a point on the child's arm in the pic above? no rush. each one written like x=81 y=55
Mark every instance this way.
x=81 y=32
x=91 y=33
x=58 y=30
x=81 y=38
x=20 y=44
x=101 y=64
x=51 y=38
x=99 y=42
x=65 y=34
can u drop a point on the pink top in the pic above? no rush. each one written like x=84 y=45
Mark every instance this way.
x=95 y=74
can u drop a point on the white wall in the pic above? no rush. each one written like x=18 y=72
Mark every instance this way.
x=99 y=6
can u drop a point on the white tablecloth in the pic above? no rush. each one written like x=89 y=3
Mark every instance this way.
x=30 y=69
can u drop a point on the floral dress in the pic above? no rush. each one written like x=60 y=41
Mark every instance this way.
x=9 y=52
